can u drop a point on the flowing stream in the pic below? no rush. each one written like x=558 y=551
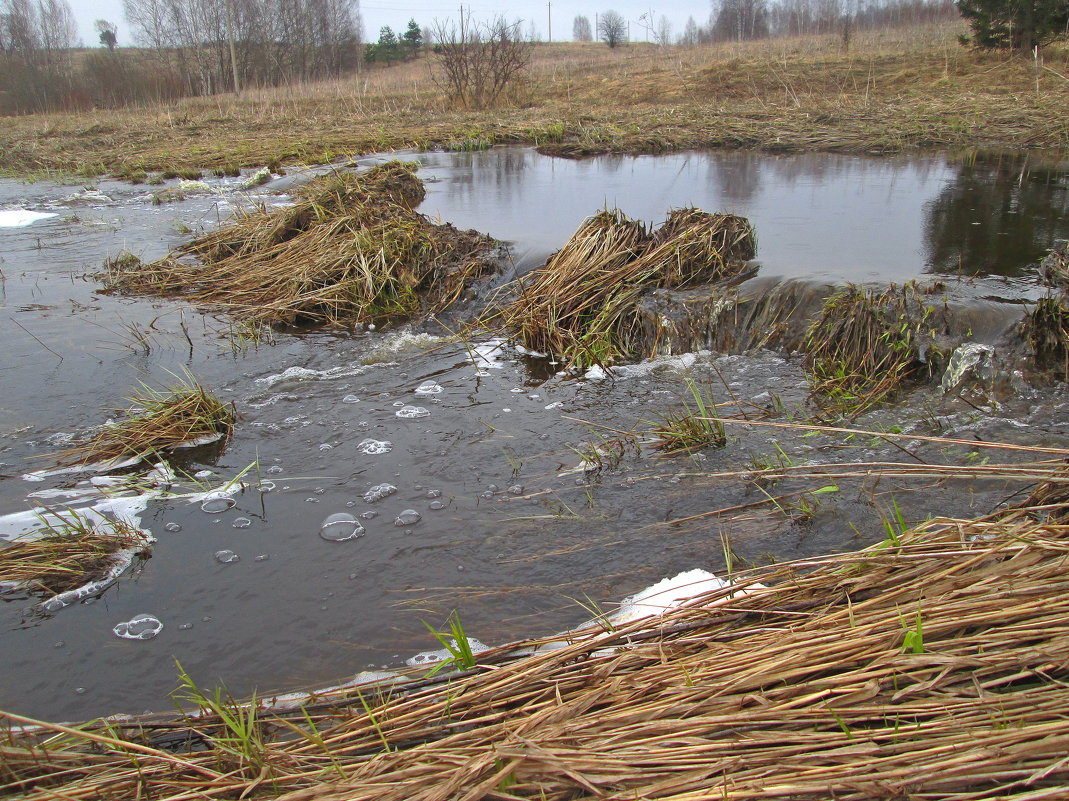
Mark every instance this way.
x=400 y=474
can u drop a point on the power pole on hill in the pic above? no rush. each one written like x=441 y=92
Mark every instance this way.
x=549 y=14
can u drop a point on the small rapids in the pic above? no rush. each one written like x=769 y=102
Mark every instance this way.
x=380 y=479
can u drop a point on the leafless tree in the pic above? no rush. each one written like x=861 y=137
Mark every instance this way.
x=581 y=30
x=663 y=34
x=479 y=63
x=612 y=28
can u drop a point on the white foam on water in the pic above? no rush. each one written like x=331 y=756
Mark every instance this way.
x=91 y=467
x=374 y=447
x=654 y=601
x=20 y=218
x=682 y=361
x=288 y=701
x=667 y=594
x=297 y=374
x=489 y=354
x=442 y=654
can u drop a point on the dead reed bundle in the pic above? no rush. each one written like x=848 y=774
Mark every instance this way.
x=574 y=305
x=695 y=247
x=351 y=250
x=864 y=344
x=933 y=665
x=157 y=422
x=581 y=305
x=65 y=552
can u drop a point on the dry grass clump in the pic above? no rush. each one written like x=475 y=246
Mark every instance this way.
x=1046 y=329
x=351 y=250
x=580 y=305
x=65 y=552
x=865 y=344
x=695 y=247
x=934 y=665
x=156 y=423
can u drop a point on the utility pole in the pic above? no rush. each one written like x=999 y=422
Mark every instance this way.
x=549 y=14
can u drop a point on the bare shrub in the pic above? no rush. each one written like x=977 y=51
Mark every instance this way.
x=479 y=63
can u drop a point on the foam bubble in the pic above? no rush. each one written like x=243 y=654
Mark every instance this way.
x=378 y=492
x=340 y=527
x=412 y=412
x=139 y=627
x=375 y=447
x=409 y=517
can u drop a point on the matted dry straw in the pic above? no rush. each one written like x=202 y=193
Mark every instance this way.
x=158 y=422
x=350 y=250
x=580 y=306
x=935 y=666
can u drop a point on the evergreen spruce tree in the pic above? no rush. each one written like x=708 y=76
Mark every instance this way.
x=412 y=38
x=1014 y=24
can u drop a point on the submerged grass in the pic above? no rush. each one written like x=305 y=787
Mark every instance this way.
x=580 y=306
x=865 y=344
x=157 y=422
x=350 y=251
x=690 y=429
x=66 y=551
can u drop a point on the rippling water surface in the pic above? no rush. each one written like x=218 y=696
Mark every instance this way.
x=400 y=474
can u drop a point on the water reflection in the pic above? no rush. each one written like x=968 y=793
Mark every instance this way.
x=818 y=216
x=998 y=216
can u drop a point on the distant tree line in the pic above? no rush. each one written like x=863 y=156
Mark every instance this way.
x=737 y=20
x=187 y=47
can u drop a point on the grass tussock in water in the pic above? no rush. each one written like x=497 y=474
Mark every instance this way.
x=65 y=552
x=933 y=664
x=157 y=422
x=1054 y=269
x=350 y=250
x=691 y=428
x=1046 y=329
x=580 y=305
x=865 y=344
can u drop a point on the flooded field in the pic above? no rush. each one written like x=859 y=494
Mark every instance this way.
x=380 y=478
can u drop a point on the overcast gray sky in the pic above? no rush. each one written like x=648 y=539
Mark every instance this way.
x=377 y=13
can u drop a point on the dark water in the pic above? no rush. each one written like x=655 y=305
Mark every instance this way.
x=510 y=535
